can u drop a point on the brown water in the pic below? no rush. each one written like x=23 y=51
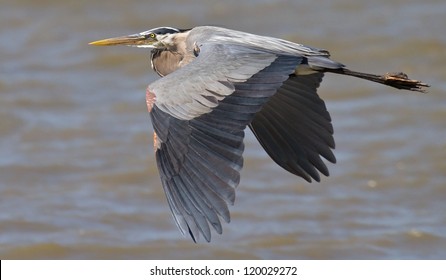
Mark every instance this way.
x=77 y=173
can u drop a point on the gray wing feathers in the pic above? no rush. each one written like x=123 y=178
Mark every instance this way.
x=295 y=128
x=200 y=156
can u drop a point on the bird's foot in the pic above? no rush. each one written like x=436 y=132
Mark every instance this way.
x=401 y=80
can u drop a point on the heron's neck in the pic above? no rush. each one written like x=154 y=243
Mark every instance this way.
x=176 y=42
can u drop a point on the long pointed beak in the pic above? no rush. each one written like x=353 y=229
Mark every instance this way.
x=135 y=40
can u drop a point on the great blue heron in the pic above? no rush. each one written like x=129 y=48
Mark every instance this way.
x=217 y=81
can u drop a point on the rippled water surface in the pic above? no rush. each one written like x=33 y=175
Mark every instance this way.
x=77 y=173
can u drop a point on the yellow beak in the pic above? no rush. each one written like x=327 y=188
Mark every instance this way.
x=131 y=40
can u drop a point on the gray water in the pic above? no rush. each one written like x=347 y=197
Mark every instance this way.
x=77 y=174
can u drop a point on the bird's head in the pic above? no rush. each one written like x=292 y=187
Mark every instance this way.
x=155 y=38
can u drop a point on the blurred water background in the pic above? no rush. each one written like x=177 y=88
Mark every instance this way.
x=77 y=173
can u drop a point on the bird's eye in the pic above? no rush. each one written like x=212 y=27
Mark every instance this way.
x=152 y=35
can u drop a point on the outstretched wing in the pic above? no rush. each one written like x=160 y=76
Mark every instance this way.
x=295 y=128
x=199 y=117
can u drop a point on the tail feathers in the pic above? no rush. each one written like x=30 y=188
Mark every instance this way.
x=397 y=80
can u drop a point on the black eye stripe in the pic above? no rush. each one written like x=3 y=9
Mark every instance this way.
x=163 y=30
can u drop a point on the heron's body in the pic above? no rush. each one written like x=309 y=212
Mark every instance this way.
x=214 y=83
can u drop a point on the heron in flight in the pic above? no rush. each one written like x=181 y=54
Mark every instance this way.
x=216 y=82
